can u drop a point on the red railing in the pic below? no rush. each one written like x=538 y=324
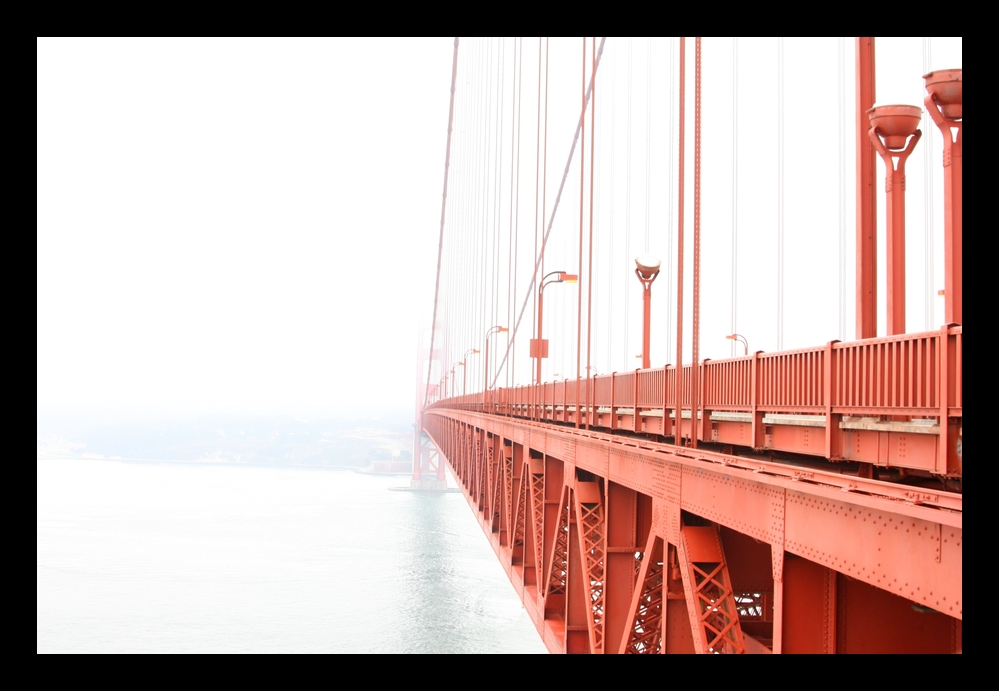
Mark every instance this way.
x=918 y=375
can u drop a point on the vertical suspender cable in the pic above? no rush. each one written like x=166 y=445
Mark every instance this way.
x=669 y=218
x=498 y=188
x=735 y=189
x=537 y=190
x=695 y=362
x=509 y=231
x=780 y=193
x=516 y=223
x=511 y=295
x=648 y=142
x=627 y=223
x=611 y=226
x=930 y=294
x=440 y=242
x=579 y=273
x=841 y=121
x=544 y=163
x=677 y=437
x=558 y=196
x=589 y=271
x=544 y=175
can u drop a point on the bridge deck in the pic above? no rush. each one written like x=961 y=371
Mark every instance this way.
x=885 y=558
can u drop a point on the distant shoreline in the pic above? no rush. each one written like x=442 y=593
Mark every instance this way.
x=212 y=462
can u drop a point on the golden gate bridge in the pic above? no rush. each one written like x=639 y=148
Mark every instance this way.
x=804 y=500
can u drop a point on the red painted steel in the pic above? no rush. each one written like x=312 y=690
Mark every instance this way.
x=754 y=546
x=800 y=398
x=867 y=248
x=897 y=126
x=806 y=500
x=944 y=103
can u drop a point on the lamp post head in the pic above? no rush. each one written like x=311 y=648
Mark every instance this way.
x=647 y=267
x=740 y=338
x=946 y=88
x=557 y=277
x=895 y=123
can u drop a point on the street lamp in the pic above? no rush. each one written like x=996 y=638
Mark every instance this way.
x=740 y=339
x=464 y=377
x=646 y=268
x=494 y=330
x=894 y=134
x=539 y=346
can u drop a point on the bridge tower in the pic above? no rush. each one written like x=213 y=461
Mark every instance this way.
x=428 y=466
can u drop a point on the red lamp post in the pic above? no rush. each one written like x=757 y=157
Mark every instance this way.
x=741 y=339
x=646 y=268
x=539 y=346
x=944 y=103
x=891 y=126
x=464 y=377
x=494 y=330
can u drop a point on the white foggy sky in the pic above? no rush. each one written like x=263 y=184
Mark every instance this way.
x=238 y=225
x=637 y=194
x=251 y=225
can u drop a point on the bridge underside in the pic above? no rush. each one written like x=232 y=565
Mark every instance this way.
x=618 y=544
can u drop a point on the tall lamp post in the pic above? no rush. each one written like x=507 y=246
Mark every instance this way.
x=646 y=268
x=945 y=105
x=539 y=346
x=741 y=339
x=494 y=330
x=894 y=134
x=464 y=376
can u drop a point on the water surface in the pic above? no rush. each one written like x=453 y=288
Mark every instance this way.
x=161 y=557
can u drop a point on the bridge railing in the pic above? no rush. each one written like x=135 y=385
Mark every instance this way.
x=913 y=375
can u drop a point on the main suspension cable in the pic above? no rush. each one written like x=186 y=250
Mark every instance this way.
x=440 y=242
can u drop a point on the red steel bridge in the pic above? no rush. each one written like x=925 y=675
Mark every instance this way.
x=803 y=500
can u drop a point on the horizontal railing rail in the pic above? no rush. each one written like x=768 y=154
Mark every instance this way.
x=916 y=375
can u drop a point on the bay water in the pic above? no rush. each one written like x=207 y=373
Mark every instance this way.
x=177 y=557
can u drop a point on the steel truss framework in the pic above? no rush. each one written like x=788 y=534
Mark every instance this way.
x=618 y=544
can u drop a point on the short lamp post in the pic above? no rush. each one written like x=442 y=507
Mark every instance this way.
x=464 y=375
x=539 y=346
x=494 y=330
x=741 y=339
x=646 y=268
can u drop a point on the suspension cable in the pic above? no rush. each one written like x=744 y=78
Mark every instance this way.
x=677 y=439
x=735 y=190
x=579 y=273
x=626 y=274
x=558 y=197
x=589 y=273
x=780 y=193
x=695 y=370
x=440 y=242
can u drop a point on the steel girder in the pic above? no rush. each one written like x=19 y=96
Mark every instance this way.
x=626 y=546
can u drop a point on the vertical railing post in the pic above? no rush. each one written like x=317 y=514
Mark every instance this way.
x=613 y=403
x=755 y=383
x=636 y=425
x=704 y=419
x=829 y=379
x=943 y=399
